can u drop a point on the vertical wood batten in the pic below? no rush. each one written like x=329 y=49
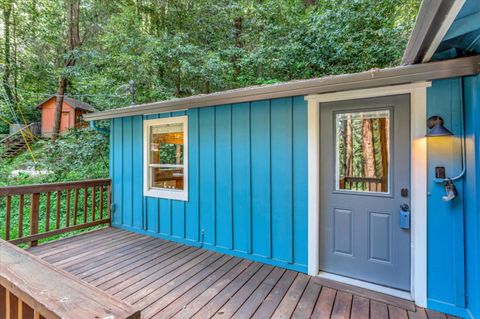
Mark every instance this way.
x=223 y=176
x=152 y=209
x=300 y=180
x=127 y=175
x=282 y=179
x=261 y=195
x=192 y=218
x=137 y=212
x=207 y=174
x=117 y=187
x=241 y=177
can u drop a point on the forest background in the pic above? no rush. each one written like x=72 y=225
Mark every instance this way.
x=171 y=49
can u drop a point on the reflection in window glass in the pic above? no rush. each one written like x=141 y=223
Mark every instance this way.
x=166 y=156
x=362 y=151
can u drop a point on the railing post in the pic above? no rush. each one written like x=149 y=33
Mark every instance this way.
x=35 y=205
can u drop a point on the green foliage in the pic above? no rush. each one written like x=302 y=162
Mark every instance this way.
x=77 y=155
x=176 y=48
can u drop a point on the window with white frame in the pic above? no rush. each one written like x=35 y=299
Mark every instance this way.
x=166 y=158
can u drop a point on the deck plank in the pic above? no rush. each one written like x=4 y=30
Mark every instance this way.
x=378 y=310
x=221 y=265
x=270 y=304
x=136 y=290
x=120 y=279
x=125 y=258
x=360 y=308
x=256 y=298
x=233 y=268
x=307 y=301
x=217 y=301
x=237 y=300
x=418 y=314
x=207 y=295
x=113 y=258
x=289 y=302
x=432 y=314
x=342 y=305
x=324 y=305
x=171 y=280
x=397 y=313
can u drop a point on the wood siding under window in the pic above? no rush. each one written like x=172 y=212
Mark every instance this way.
x=247 y=181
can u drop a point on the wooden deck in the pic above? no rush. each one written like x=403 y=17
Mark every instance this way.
x=169 y=280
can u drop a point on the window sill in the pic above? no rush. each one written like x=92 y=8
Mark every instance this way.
x=166 y=194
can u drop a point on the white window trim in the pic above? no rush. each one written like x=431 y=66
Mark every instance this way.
x=418 y=180
x=158 y=192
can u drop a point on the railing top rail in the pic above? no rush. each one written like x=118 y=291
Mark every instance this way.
x=52 y=187
x=54 y=293
x=362 y=179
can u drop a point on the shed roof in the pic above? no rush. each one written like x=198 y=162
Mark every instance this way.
x=76 y=104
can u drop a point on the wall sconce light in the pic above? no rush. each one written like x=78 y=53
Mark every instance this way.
x=435 y=124
x=437 y=129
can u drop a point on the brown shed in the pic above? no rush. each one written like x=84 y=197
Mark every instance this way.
x=72 y=111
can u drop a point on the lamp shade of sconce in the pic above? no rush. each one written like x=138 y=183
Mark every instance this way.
x=435 y=124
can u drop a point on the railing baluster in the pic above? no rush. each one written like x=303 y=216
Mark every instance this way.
x=47 y=213
x=20 y=216
x=57 y=220
x=101 y=202
x=35 y=204
x=85 y=198
x=8 y=217
x=20 y=308
x=40 y=195
x=75 y=207
x=68 y=208
x=93 y=202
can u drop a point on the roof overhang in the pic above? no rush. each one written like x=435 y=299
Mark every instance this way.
x=368 y=79
x=433 y=21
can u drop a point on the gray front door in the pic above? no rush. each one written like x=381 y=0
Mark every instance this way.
x=364 y=181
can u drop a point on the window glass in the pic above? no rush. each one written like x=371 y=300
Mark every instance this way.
x=166 y=156
x=363 y=151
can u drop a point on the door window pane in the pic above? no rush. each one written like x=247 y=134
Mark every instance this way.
x=362 y=151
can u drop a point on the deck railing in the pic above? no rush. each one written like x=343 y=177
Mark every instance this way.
x=34 y=212
x=32 y=288
x=369 y=184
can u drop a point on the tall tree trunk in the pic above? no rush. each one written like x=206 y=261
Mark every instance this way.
x=384 y=130
x=238 y=24
x=73 y=42
x=368 y=148
x=15 y=67
x=349 y=147
x=7 y=71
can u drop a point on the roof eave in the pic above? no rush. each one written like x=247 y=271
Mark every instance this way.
x=368 y=79
x=433 y=21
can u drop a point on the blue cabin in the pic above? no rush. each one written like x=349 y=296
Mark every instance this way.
x=370 y=179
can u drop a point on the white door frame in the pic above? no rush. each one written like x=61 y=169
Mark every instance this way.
x=418 y=179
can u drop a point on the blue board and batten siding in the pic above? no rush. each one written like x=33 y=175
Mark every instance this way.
x=247 y=181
